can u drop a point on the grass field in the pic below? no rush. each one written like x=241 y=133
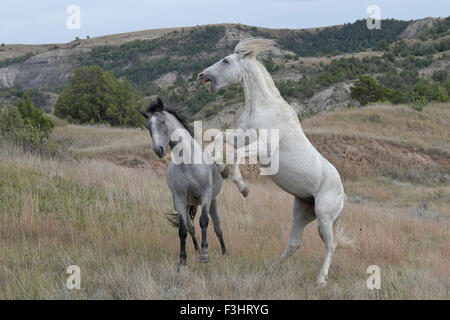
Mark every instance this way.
x=104 y=208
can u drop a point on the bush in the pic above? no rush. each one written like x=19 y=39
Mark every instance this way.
x=34 y=118
x=367 y=90
x=27 y=128
x=10 y=122
x=439 y=76
x=430 y=91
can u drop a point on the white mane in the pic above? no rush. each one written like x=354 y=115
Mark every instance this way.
x=254 y=46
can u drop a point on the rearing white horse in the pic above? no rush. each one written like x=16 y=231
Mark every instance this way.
x=303 y=171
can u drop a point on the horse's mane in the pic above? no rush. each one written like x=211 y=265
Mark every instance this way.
x=182 y=116
x=255 y=46
x=180 y=113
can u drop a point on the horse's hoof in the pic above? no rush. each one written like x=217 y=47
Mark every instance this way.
x=225 y=252
x=245 y=192
x=204 y=258
x=181 y=265
x=225 y=172
x=321 y=283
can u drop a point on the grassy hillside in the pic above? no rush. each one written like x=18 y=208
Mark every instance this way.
x=104 y=210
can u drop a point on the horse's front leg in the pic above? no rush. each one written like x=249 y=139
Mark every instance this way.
x=238 y=141
x=244 y=151
x=180 y=207
x=239 y=181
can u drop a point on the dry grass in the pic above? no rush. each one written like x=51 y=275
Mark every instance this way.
x=109 y=220
x=92 y=141
x=400 y=124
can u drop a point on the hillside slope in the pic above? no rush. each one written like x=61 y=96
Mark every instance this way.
x=314 y=68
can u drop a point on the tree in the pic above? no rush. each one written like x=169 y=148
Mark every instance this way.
x=382 y=45
x=96 y=96
x=366 y=90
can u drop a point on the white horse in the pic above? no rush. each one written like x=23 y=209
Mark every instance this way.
x=303 y=171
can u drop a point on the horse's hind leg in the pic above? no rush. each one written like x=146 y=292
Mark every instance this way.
x=214 y=212
x=302 y=215
x=326 y=230
x=327 y=212
x=190 y=225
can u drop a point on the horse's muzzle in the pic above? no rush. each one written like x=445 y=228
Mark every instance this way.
x=205 y=78
x=160 y=151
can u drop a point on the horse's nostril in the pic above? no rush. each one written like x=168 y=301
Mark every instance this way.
x=161 y=150
x=201 y=74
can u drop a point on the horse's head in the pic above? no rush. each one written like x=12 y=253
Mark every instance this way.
x=223 y=73
x=157 y=124
x=228 y=71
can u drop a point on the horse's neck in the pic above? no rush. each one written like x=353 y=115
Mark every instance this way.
x=261 y=93
x=259 y=87
x=173 y=125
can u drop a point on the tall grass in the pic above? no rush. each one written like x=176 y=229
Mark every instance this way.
x=110 y=221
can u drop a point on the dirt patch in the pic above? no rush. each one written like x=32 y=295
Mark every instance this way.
x=353 y=156
x=139 y=161
x=356 y=156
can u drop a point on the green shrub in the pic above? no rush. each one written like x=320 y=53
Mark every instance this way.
x=366 y=90
x=439 y=76
x=34 y=118
x=418 y=102
x=374 y=118
x=95 y=96
x=430 y=91
x=27 y=129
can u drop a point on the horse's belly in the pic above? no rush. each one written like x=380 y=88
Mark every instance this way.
x=293 y=187
x=298 y=178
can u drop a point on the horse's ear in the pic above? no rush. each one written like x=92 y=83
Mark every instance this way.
x=156 y=105
x=145 y=114
x=159 y=106
x=159 y=103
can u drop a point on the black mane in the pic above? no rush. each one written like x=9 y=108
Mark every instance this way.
x=180 y=113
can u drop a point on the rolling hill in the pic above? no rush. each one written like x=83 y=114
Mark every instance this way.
x=314 y=68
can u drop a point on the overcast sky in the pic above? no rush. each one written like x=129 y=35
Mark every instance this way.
x=45 y=21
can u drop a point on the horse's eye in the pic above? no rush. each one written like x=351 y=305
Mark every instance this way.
x=163 y=121
x=225 y=61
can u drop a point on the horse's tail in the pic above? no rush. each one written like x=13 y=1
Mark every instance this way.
x=174 y=217
x=341 y=236
x=343 y=239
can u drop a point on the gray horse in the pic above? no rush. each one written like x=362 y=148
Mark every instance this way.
x=191 y=184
